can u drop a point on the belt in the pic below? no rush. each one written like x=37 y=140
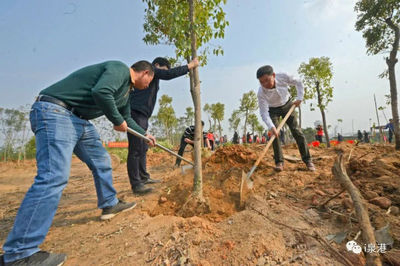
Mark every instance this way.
x=281 y=105
x=46 y=98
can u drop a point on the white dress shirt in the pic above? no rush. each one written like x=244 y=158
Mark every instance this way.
x=277 y=96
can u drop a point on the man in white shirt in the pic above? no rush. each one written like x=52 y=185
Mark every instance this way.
x=274 y=102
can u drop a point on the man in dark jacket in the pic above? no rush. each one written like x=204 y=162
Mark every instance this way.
x=188 y=138
x=142 y=106
x=60 y=120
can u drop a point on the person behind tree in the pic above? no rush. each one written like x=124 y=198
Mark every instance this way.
x=366 y=137
x=263 y=139
x=339 y=137
x=188 y=138
x=235 y=139
x=142 y=103
x=359 y=136
x=210 y=137
x=391 y=129
x=320 y=133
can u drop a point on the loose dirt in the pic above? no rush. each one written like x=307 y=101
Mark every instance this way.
x=282 y=222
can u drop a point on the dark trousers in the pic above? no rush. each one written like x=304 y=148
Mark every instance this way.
x=181 y=150
x=390 y=136
x=136 y=162
x=275 y=113
x=319 y=138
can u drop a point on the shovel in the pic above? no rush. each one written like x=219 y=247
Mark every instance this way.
x=246 y=182
x=137 y=134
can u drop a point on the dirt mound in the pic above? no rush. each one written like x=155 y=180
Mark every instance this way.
x=221 y=179
x=234 y=156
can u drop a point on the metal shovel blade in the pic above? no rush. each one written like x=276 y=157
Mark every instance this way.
x=186 y=167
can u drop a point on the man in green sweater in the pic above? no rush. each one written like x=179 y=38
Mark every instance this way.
x=60 y=120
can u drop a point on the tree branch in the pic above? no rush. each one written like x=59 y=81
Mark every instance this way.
x=339 y=172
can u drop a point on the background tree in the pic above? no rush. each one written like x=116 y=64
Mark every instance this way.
x=189 y=116
x=234 y=121
x=379 y=22
x=166 y=116
x=208 y=111
x=105 y=129
x=260 y=130
x=217 y=114
x=253 y=122
x=317 y=76
x=340 y=121
x=309 y=133
x=189 y=26
x=14 y=131
x=248 y=105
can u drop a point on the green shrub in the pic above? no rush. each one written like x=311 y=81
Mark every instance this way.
x=164 y=143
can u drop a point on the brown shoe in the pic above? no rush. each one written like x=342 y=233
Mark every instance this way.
x=310 y=166
x=279 y=167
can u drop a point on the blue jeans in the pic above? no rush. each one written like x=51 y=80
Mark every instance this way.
x=59 y=133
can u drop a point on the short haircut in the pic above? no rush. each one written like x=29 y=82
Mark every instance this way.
x=162 y=61
x=202 y=123
x=143 y=65
x=265 y=70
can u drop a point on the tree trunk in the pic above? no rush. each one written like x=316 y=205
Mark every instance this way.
x=339 y=172
x=321 y=108
x=245 y=127
x=219 y=128
x=195 y=91
x=379 y=123
x=391 y=62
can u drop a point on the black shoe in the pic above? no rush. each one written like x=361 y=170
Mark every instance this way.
x=41 y=258
x=141 y=189
x=152 y=181
x=121 y=206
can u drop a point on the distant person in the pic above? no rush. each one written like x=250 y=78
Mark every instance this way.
x=320 y=133
x=60 y=120
x=216 y=139
x=210 y=137
x=235 y=139
x=366 y=137
x=359 y=136
x=274 y=102
x=244 y=139
x=249 y=138
x=254 y=138
x=188 y=138
x=339 y=137
x=390 y=128
x=263 y=139
x=142 y=104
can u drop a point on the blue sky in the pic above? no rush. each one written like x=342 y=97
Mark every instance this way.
x=43 y=41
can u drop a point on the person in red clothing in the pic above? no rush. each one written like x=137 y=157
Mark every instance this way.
x=257 y=139
x=210 y=137
x=320 y=133
x=263 y=140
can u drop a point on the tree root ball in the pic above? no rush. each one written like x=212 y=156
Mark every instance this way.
x=195 y=206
